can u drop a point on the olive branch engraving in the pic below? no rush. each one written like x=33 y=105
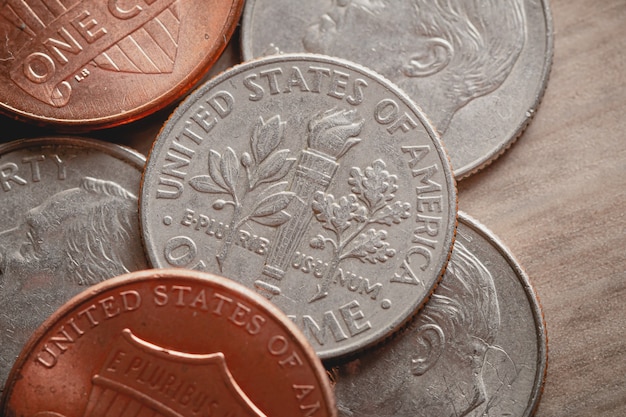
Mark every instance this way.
x=347 y=217
x=264 y=164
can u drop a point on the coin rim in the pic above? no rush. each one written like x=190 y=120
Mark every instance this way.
x=533 y=301
x=118 y=151
x=482 y=163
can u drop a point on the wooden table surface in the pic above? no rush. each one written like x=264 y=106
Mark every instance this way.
x=557 y=199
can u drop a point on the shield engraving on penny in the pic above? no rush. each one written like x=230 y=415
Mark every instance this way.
x=149 y=50
x=138 y=377
x=61 y=41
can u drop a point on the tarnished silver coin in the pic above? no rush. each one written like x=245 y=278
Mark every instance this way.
x=477 y=348
x=314 y=181
x=477 y=68
x=68 y=219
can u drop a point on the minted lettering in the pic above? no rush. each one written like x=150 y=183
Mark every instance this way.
x=174 y=191
x=8 y=172
x=429 y=225
x=302 y=393
x=180 y=294
x=387 y=112
x=358 y=284
x=429 y=200
x=430 y=203
x=279 y=346
x=173 y=164
x=11 y=173
x=353 y=319
x=68 y=44
x=345 y=279
x=87 y=312
x=425 y=174
x=180 y=251
x=126 y=366
x=221 y=104
x=123 y=14
x=236 y=312
x=69 y=37
x=296 y=79
x=87 y=318
x=257 y=90
x=238 y=317
x=34 y=165
x=424 y=250
x=108 y=307
x=61 y=341
x=88 y=28
x=318 y=74
x=352 y=314
x=310 y=409
x=405 y=275
x=177 y=158
x=115 y=361
x=272 y=79
x=329 y=322
x=217 y=229
x=340 y=85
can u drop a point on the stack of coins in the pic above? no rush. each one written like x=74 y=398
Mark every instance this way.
x=296 y=208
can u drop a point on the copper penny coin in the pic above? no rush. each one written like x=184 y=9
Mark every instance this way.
x=168 y=343
x=82 y=64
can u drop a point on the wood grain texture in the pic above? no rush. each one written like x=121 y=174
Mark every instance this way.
x=557 y=199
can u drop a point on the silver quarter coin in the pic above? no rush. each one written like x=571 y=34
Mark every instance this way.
x=314 y=181
x=477 y=348
x=477 y=68
x=68 y=219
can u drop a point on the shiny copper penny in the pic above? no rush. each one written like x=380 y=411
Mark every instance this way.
x=83 y=64
x=168 y=343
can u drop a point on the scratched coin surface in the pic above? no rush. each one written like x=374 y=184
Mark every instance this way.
x=168 y=343
x=477 y=348
x=312 y=180
x=68 y=219
x=477 y=68
x=82 y=64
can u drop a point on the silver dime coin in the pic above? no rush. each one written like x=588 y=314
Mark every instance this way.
x=477 y=348
x=477 y=68
x=68 y=219
x=314 y=181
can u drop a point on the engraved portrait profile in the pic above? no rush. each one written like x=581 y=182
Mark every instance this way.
x=444 y=54
x=79 y=235
x=436 y=366
x=74 y=238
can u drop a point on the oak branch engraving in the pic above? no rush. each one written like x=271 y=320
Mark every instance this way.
x=348 y=217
